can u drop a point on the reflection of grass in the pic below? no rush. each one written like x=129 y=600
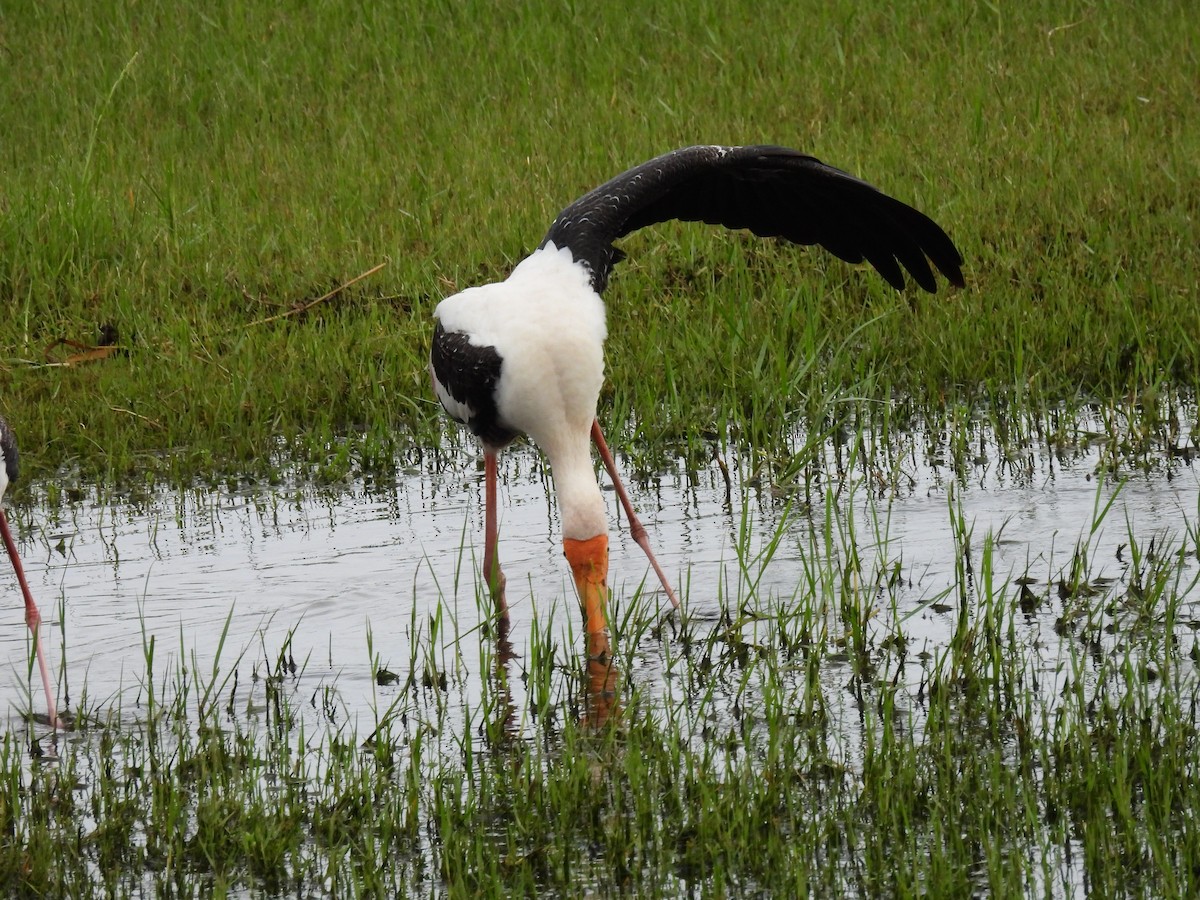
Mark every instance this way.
x=805 y=743
x=181 y=174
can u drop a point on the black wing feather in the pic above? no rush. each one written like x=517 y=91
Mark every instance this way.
x=771 y=191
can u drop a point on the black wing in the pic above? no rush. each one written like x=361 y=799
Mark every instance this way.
x=773 y=192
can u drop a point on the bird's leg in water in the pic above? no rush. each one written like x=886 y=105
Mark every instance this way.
x=32 y=617
x=491 y=559
x=636 y=529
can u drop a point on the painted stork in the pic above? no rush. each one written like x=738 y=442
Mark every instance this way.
x=8 y=474
x=526 y=355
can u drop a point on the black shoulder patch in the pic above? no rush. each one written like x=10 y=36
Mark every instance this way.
x=469 y=374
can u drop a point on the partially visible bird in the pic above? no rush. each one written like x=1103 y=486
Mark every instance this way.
x=526 y=355
x=8 y=474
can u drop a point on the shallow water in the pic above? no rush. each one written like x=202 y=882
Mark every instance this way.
x=326 y=574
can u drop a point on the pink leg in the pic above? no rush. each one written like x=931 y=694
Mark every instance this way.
x=32 y=618
x=491 y=560
x=636 y=530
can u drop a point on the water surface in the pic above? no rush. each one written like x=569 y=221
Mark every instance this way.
x=326 y=574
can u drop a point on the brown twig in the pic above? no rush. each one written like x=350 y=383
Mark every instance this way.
x=295 y=311
x=130 y=412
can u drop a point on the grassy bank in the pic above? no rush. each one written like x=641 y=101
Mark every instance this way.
x=175 y=175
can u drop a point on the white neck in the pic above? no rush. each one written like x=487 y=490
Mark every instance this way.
x=579 y=499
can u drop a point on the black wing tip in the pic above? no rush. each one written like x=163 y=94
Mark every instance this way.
x=892 y=267
x=951 y=269
x=950 y=264
x=925 y=279
x=927 y=242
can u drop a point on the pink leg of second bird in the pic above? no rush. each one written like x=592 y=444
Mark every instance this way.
x=491 y=559
x=32 y=617
x=636 y=530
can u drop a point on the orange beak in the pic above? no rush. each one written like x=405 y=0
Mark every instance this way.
x=589 y=564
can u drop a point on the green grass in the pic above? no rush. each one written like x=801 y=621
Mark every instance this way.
x=179 y=173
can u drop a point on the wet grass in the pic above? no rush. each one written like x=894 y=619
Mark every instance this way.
x=799 y=744
x=173 y=177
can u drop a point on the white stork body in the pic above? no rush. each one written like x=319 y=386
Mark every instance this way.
x=526 y=355
x=547 y=323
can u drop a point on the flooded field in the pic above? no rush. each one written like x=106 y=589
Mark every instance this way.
x=947 y=639
x=339 y=582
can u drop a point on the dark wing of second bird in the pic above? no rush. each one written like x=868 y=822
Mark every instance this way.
x=8 y=450
x=772 y=192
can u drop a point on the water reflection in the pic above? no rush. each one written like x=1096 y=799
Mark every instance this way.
x=504 y=726
x=600 y=692
x=352 y=579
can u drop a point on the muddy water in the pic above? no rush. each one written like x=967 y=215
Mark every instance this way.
x=318 y=577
